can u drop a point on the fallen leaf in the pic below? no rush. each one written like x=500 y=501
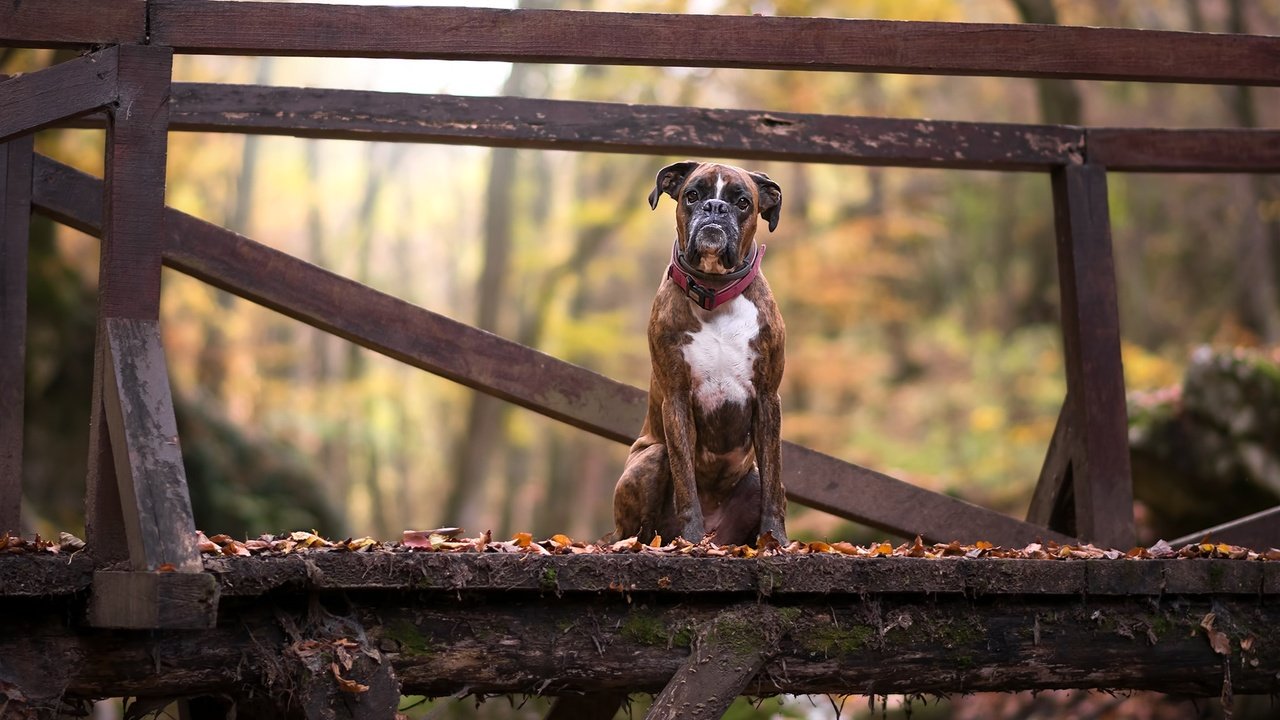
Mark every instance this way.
x=1218 y=640
x=656 y=542
x=523 y=539
x=345 y=685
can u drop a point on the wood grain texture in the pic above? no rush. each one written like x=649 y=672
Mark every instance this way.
x=131 y=217
x=1260 y=531
x=506 y=369
x=1100 y=475
x=1161 y=150
x=39 y=99
x=526 y=643
x=784 y=43
x=1052 y=502
x=70 y=23
x=615 y=127
x=16 y=158
x=159 y=525
x=727 y=654
x=153 y=600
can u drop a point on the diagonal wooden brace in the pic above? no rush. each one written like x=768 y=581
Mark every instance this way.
x=66 y=90
x=726 y=656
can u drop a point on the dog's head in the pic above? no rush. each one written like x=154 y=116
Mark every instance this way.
x=716 y=209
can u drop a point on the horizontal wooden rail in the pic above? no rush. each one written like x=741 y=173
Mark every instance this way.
x=70 y=23
x=672 y=130
x=1199 y=150
x=1261 y=530
x=503 y=368
x=44 y=97
x=616 y=127
x=730 y=41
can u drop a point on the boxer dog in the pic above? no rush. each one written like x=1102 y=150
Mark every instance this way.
x=707 y=462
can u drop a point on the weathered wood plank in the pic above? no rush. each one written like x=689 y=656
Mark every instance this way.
x=616 y=127
x=1052 y=502
x=44 y=97
x=67 y=23
x=1260 y=531
x=1100 y=475
x=1199 y=150
x=506 y=369
x=16 y=158
x=506 y=643
x=129 y=267
x=153 y=600
x=159 y=525
x=782 y=43
x=783 y=577
x=725 y=656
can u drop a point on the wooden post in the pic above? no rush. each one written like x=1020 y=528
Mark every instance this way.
x=138 y=504
x=1094 y=419
x=15 y=217
x=129 y=270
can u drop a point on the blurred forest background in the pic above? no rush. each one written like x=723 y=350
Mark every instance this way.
x=921 y=304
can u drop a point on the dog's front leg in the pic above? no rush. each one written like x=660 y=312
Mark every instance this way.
x=766 y=434
x=677 y=420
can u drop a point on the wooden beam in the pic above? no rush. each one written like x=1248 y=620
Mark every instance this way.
x=743 y=134
x=16 y=158
x=153 y=600
x=1053 y=502
x=159 y=526
x=505 y=369
x=1199 y=150
x=132 y=216
x=725 y=657
x=1100 y=476
x=552 y=645
x=616 y=127
x=779 y=43
x=66 y=90
x=1260 y=531
x=66 y=23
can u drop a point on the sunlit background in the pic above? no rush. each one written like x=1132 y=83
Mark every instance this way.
x=921 y=305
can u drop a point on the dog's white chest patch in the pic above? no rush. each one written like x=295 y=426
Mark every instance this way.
x=720 y=357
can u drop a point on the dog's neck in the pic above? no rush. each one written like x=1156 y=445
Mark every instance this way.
x=707 y=290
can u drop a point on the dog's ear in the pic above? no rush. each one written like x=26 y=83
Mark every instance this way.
x=669 y=180
x=770 y=198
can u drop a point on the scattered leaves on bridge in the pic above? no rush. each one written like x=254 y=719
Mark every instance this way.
x=450 y=540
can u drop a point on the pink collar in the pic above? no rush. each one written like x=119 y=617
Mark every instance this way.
x=710 y=298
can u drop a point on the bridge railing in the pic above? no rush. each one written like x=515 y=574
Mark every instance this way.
x=137 y=497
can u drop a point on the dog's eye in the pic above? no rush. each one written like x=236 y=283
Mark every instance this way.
x=691 y=197
x=743 y=203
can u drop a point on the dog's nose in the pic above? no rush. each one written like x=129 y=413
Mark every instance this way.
x=715 y=207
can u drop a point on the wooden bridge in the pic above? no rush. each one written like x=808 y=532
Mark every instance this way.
x=587 y=628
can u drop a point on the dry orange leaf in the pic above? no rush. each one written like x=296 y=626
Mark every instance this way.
x=1217 y=639
x=345 y=685
x=523 y=539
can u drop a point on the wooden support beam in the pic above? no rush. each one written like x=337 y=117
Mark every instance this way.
x=64 y=24
x=76 y=87
x=144 y=442
x=1199 y=150
x=1099 y=441
x=132 y=218
x=741 y=41
x=1260 y=531
x=839 y=643
x=153 y=600
x=505 y=369
x=1053 y=501
x=724 y=658
x=16 y=158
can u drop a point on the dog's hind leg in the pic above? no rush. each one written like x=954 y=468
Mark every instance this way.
x=642 y=494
